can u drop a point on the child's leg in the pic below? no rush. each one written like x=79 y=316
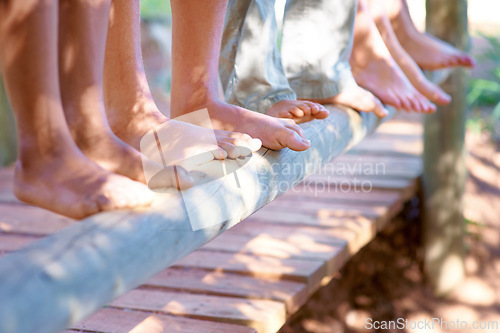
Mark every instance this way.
x=197 y=31
x=374 y=68
x=82 y=38
x=51 y=172
x=316 y=45
x=250 y=64
x=130 y=107
x=428 y=52
x=430 y=90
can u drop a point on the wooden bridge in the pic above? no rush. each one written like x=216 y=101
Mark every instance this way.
x=54 y=271
x=254 y=275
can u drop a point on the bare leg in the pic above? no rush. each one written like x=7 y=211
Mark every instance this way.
x=430 y=90
x=374 y=68
x=428 y=52
x=197 y=31
x=51 y=172
x=82 y=40
x=130 y=107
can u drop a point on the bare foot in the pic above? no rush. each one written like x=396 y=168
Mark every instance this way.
x=275 y=133
x=429 y=52
x=69 y=184
x=410 y=68
x=298 y=111
x=375 y=70
x=358 y=99
x=132 y=124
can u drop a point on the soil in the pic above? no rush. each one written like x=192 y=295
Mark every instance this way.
x=385 y=280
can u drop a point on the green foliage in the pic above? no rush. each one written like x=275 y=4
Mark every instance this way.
x=155 y=9
x=485 y=93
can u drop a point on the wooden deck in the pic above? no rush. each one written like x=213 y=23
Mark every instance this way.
x=252 y=277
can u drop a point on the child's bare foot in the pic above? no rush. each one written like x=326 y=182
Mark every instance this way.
x=131 y=124
x=429 y=52
x=410 y=68
x=299 y=111
x=275 y=133
x=375 y=70
x=71 y=185
x=358 y=99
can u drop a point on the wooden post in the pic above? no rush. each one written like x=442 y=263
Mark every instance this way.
x=8 y=145
x=444 y=165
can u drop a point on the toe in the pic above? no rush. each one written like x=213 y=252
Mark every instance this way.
x=319 y=111
x=248 y=146
x=290 y=124
x=417 y=105
x=393 y=100
x=306 y=109
x=218 y=154
x=297 y=112
x=405 y=103
x=232 y=150
x=435 y=94
x=291 y=139
x=379 y=109
x=315 y=107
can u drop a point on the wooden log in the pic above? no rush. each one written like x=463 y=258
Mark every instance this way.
x=8 y=142
x=444 y=167
x=63 y=278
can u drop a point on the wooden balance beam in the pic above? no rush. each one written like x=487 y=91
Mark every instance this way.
x=61 y=279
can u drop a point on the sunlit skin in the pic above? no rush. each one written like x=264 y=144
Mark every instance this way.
x=410 y=68
x=429 y=52
x=375 y=70
x=298 y=111
x=51 y=171
x=358 y=99
x=130 y=107
x=82 y=40
x=196 y=39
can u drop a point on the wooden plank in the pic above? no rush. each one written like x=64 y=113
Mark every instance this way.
x=8 y=142
x=267 y=245
x=29 y=220
x=339 y=236
x=9 y=243
x=391 y=147
x=134 y=245
x=366 y=184
x=7 y=196
x=7 y=173
x=444 y=159
x=305 y=271
x=6 y=185
x=409 y=160
x=262 y=315
x=293 y=294
x=127 y=321
x=303 y=192
x=325 y=209
x=295 y=219
x=346 y=239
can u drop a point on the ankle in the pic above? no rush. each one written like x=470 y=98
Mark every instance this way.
x=35 y=157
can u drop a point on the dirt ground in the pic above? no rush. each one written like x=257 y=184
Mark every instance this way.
x=384 y=281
